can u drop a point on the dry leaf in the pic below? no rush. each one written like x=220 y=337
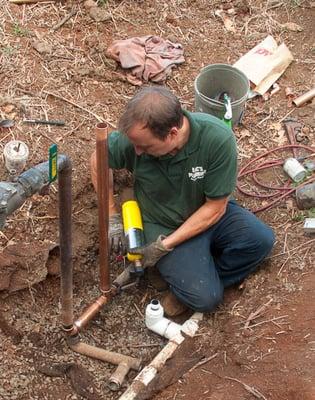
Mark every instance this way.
x=291 y=26
x=244 y=133
x=228 y=22
x=281 y=138
x=276 y=126
x=289 y=204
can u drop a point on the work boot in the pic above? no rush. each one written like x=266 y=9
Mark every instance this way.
x=156 y=280
x=172 y=306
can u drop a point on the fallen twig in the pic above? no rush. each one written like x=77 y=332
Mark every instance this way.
x=256 y=313
x=140 y=346
x=266 y=321
x=100 y=119
x=274 y=6
x=64 y=20
x=202 y=362
x=27 y=1
x=250 y=389
x=282 y=266
x=290 y=251
x=138 y=310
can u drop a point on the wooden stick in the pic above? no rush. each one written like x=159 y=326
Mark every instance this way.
x=256 y=313
x=100 y=119
x=64 y=20
x=268 y=320
x=27 y=1
x=202 y=362
x=250 y=389
x=290 y=251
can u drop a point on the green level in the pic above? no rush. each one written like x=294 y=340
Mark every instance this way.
x=53 y=168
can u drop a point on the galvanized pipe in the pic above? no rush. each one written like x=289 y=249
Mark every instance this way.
x=65 y=239
x=101 y=131
x=125 y=363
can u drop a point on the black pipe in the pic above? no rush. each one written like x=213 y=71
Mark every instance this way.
x=34 y=180
x=65 y=239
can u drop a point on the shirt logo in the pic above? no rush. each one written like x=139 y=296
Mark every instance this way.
x=197 y=173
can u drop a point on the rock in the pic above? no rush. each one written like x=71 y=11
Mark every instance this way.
x=89 y=4
x=9 y=108
x=22 y=265
x=291 y=26
x=99 y=14
x=42 y=47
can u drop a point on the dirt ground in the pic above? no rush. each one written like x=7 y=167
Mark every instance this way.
x=260 y=343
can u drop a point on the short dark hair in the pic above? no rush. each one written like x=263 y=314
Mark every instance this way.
x=154 y=106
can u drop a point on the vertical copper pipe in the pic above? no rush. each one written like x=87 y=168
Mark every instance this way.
x=65 y=238
x=101 y=131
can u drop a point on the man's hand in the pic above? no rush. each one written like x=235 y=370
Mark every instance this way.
x=115 y=233
x=152 y=252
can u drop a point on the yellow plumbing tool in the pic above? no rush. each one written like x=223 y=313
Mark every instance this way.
x=133 y=229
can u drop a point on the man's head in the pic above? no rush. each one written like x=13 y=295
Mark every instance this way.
x=151 y=121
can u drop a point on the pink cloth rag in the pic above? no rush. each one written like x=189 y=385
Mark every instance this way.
x=147 y=57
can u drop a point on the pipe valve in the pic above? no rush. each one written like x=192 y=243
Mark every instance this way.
x=34 y=180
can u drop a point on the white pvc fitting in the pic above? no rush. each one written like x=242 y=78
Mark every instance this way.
x=294 y=169
x=15 y=156
x=156 y=322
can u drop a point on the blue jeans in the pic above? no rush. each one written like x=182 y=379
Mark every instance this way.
x=199 y=269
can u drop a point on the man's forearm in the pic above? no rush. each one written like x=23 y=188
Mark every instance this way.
x=207 y=215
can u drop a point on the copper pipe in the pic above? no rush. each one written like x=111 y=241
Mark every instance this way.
x=89 y=313
x=65 y=239
x=299 y=101
x=125 y=363
x=101 y=131
x=95 y=307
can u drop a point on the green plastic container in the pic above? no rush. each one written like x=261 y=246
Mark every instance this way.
x=216 y=79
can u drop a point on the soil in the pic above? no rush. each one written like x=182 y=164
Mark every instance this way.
x=260 y=343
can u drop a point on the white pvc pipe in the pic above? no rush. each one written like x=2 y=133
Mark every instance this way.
x=156 y=322
x=149 y=372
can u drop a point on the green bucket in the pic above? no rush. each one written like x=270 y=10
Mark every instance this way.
x=212 y=82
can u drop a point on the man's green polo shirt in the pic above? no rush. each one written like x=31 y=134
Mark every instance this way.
x=171 y=188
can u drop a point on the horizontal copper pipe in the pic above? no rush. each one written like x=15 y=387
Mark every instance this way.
x=95 y=307
x=299 y=101
x=89 y=314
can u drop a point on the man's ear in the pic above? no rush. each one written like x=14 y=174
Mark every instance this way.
x=173 y=132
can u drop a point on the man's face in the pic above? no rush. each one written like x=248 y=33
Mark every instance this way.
x=145 y=142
